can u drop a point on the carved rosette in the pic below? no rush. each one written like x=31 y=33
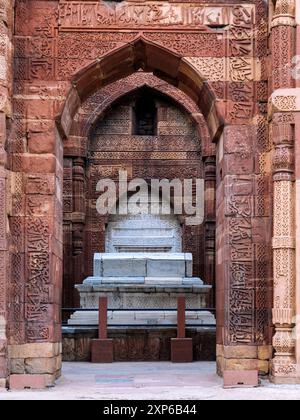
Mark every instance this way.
x=284 y=251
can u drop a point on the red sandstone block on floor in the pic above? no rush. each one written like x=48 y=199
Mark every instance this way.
x=240 y=378
x=181 y=350
x=27 y=381
x=102 y=351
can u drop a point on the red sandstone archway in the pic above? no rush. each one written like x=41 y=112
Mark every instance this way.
x=142 y=54
x=165 y=65
x=164 y=89
x=97 y=104
x=76 y=148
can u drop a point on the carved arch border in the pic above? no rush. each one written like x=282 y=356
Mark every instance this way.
x=87 y=116
x=128 y=59
x=181 y=80
x=181 y=73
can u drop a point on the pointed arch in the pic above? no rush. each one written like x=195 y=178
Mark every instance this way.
x=142 y=54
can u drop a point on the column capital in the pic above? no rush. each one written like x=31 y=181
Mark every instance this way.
x=284 y=14
x=284 y=100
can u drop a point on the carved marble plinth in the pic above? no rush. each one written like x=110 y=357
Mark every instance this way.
x=142 y=289
x=142 y=264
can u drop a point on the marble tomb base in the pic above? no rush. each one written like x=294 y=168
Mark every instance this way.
x=142 y=288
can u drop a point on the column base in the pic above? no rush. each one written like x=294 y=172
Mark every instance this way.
x=26 y=381
x=243 y=358
x=34 y=365
x=181 y=350
x=285 y=371
x=102 y=351
x=240 y=378
x=3 y=383
x=277 y=380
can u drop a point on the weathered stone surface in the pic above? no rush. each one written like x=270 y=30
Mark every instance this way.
x=265 y=352
x=141 y=264
x=240 y=352
x=35 y=163
x=118 y=266
x=39 y=143
x=17 y=366
x=240 y=364
x=263 y=367
x=137 y=345
x=31 y=381
x=143 y=317
x=181 y=350
x=240 y=379
x=168 y=268
x=44 y=365
x=34 y=350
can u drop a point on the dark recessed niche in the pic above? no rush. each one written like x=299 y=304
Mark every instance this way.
x=145 y=116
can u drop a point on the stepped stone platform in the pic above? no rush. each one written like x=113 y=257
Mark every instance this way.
x=144 y=318
x=141 y=289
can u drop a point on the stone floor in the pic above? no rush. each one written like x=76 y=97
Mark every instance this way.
x=151 y=380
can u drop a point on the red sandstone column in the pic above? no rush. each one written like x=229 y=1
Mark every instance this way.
x=78 y=222
x=283 y=364
x=103 y=318
x=283 y=36
x=181 y=347
x=297 y=198
x=181 y=317
x=36 y=222
x=102 y=349
x=243 y=230
x=210 y=224
x=3 y=258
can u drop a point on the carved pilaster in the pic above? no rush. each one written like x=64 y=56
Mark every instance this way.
x=210 y=222
x=78 y=222
x=284 y=366
x=3 y=277
x=283 y=43
x=78 y=216
x=78 y=185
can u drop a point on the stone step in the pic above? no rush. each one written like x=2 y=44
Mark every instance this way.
x=159 y=280
x=159 y=317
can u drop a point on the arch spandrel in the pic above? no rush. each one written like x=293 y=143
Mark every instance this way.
x=142 y=54
x=97 y=104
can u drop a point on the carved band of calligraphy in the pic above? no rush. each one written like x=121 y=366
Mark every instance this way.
x=95 y=15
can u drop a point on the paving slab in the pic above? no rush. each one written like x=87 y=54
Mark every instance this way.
x=149 y=380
